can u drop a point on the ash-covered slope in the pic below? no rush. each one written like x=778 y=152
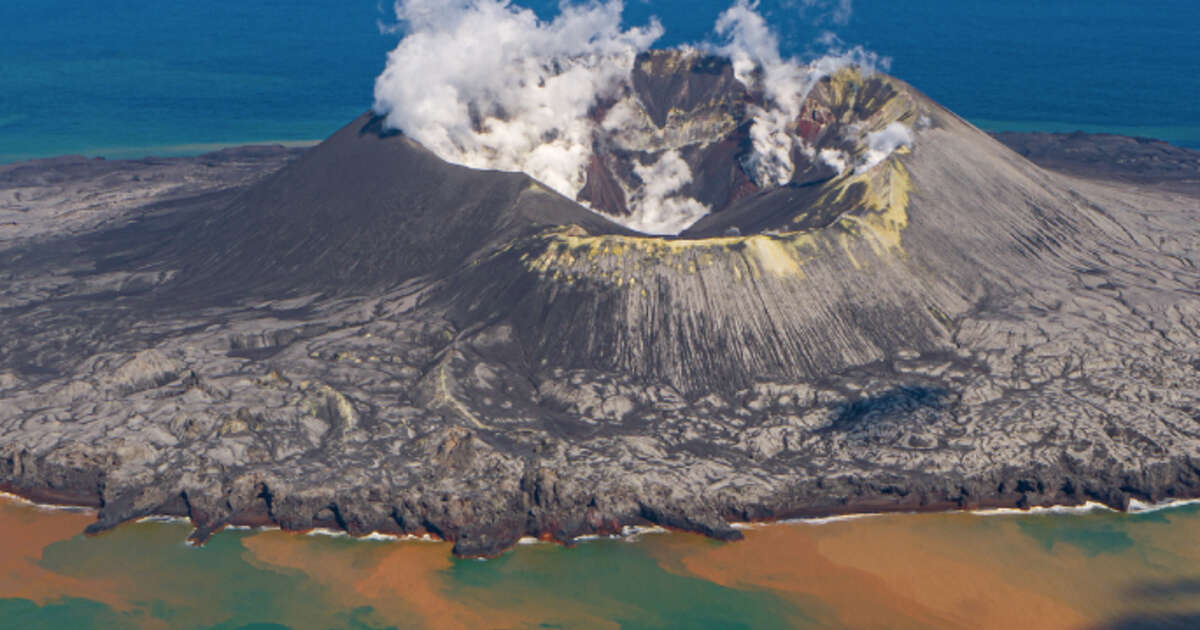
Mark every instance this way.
x=366 y=209
x=798 y=281
x=376 y=340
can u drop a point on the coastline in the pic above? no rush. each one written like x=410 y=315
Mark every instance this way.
x=135 y=153
x=912 y=570
x=1183 y=137
x=498 y=528
x=629 y=532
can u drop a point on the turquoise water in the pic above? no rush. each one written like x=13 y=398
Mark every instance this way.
x=128 y=77
x=122 y=77
x=1095 y=570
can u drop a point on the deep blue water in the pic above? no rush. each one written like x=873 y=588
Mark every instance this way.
x=129 y=77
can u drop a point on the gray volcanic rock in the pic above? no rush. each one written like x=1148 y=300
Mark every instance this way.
x=375 y=340
x=73 y=194
x=1107 y=156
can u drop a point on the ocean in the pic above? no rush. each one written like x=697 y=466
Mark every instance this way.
x=1050 y=569
x=128 y=78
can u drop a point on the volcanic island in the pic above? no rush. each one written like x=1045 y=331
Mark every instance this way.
x=363 y=336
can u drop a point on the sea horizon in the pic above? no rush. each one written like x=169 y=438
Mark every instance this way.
x=1190 y=135
x=134 y=79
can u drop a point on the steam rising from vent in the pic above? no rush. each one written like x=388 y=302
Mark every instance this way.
x=486 y=84
x=785 y=83
x=662 y=210
x=880 y=144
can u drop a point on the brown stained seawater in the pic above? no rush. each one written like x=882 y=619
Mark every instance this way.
x=26 y=532
x=1044 y=570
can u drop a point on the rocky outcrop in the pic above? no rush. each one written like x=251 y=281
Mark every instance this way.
x=374 y=340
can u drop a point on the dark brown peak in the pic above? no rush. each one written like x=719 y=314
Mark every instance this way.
x=874 y=93
x=814 y=122
x=717 y=176
x=683 y=80
x=676 y=61
x=603 y=192
x=849 y=96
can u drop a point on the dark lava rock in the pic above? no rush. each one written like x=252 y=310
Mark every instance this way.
x=1107 y=156
x=367 y=337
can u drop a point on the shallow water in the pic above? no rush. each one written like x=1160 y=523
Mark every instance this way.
x=1094 y=570
x=126 y=78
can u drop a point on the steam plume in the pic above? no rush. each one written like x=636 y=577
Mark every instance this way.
x=487 y=84
x=660 y=209
x=880 y=144
x=785 y=83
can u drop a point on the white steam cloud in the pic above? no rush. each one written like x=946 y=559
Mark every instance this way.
x=486 y=84
x=880 y=144
x=661 y=210
x=785 y=83
x=753 y=48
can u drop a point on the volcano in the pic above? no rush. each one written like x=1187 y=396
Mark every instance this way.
x=374 y=339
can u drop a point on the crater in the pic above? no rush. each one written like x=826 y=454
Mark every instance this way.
x=689 y=108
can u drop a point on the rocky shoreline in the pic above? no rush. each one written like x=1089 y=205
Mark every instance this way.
x=412 y=408
x=1024 y=497
x=490 y=534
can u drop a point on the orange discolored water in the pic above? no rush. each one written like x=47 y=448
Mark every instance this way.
x=1045 y=570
